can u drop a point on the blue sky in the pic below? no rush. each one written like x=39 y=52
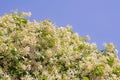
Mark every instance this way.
x=98 y=18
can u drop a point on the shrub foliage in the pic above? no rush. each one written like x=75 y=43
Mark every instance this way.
x=38 y=50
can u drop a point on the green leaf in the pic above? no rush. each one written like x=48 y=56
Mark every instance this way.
x=14 y=52
x=1 y=54
x=98 y=71
x=81 y=39
x=1 y=33
x=117 y=71
x=23 y=20
x=79 y=75
x=20 y=21
x=81 y=47
x=43 y=77
x=40 y=58
x=110 y=61
x=85 y=78
x=70 y=31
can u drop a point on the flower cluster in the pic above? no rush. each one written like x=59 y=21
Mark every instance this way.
x=32 y=50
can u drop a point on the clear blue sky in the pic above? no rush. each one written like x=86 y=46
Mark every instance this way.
x=98 y=18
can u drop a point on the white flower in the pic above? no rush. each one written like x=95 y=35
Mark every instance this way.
x=28 y=14
x=38 y=50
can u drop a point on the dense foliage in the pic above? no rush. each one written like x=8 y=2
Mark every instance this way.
x=32 y=50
